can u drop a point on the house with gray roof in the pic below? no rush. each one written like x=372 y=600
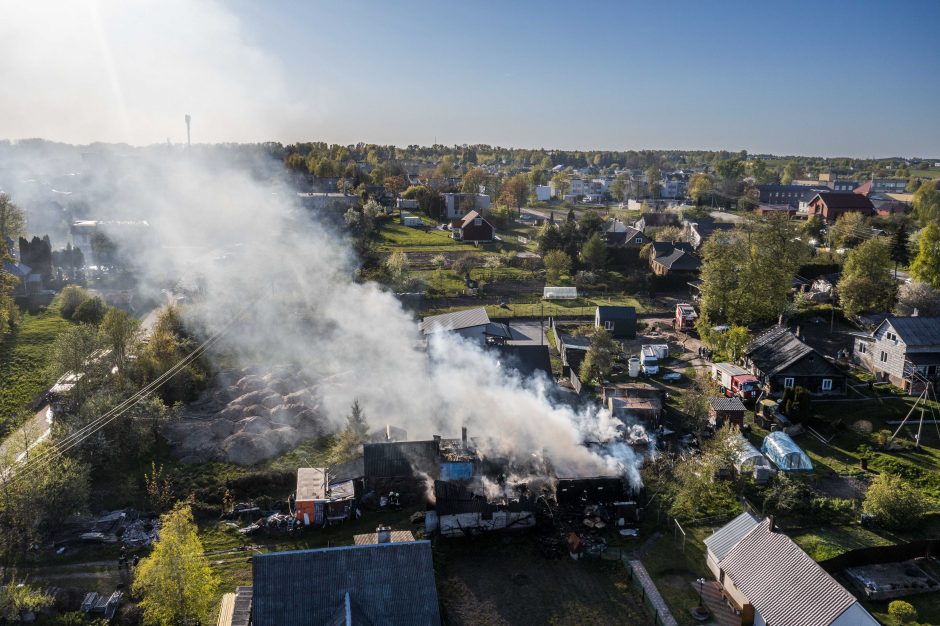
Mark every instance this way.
x=902 y=350
x=770 y=580
x=389 y=583
x=780 y=360
x=469 y=323
x=674 y=258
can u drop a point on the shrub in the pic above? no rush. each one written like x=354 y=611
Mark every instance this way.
x=71 y=298
x=91 y=311
x=902 y=611
x=894 y=502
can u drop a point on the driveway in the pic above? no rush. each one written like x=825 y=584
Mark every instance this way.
x=527 y=334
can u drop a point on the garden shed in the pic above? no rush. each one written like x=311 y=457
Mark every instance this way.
x=780 y=448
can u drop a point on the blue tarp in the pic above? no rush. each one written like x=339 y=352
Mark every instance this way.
x=456 y=471
x=780 y=448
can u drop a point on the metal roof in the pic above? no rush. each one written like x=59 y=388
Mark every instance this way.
x=389 y=583
x=527 y=360
x=722 y=540
x=311 y=484
x=782 y=582
x=617 y=312
x=396 y=536
x=916 y=331
x=727 y=404
x=399 y=458
x=776 y=348
x=457 y=320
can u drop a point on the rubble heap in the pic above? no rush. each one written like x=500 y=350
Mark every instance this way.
x=247 y=416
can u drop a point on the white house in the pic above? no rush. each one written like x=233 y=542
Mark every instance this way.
x=543 y=193
x=459 y=204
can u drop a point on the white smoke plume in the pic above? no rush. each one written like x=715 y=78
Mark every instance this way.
x=238 y=237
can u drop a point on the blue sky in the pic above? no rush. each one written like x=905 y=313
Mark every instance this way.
x=787 y=77
x=825 y=77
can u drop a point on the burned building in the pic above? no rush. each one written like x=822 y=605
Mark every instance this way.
x=401 y=466
x=460 y=511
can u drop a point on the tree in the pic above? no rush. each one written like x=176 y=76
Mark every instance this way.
x=18 y=598
x=91 y=311
x=814 y=227
x=696 y=490
x=927 y=202
x=473 y=180
x=668 y=233
x=894 y=502
x=348 y=443
x=926 y=265
x=850 y=230
x=919 y=297
x=594 y=252
x=159 y=488
x=12 y=220
x=31 y=509
x=901 y=611
x=866 y=283
x=549 y=238
x=590 y=223
x=730 y=172
x=397 y=264
x=70 y=299
x=746 y=273
x=118 y=329
x=760 y=172
x=515 y=191
x=561 y=181
x=175 y=582
x=790 y=172
x=693 y=401
x=900 y=248
x=700 y=186
x=620 y=188
x=653 y=180
x=557 y=263
x=599 y=358
x=394 y=185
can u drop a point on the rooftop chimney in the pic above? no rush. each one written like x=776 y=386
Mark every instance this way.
x=771 y=524
x=188 y=120
x=463 y=437
x=383 y=534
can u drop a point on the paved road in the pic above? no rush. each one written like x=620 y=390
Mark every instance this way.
x=35 y=430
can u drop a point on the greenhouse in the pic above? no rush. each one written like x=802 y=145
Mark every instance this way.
x=748 y=457
x=560 y=293
x=785 y=454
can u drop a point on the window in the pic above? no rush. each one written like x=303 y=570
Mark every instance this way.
x=788 y=382
x=639 y=240
x=884 y=356
x=827 y=384
x=608 y=325
x=861 y=347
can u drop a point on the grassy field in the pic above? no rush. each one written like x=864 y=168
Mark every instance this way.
x=674 y=570
x=24 y=360
x=828 y=542
x=931 y=173
x=395 y=236
x=581 y=307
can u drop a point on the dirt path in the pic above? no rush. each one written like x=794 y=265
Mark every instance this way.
x=28 y=436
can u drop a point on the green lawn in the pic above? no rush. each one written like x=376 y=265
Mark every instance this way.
x=674 y=570
x=931 y=173
x=828 y=542
x=395 y=236
x=24 y=360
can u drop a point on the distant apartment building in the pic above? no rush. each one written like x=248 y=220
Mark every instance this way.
x=790 y=195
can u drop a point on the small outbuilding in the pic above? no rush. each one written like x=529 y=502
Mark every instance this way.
x=619 y=321
x=780 y=448
x=726 y=410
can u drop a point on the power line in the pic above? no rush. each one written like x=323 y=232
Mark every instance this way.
x=81 y=435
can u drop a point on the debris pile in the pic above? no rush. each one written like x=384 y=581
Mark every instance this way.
x=275 y=521
x=247 y=416
x=141 y=532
